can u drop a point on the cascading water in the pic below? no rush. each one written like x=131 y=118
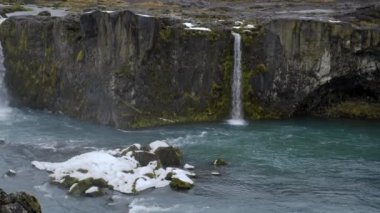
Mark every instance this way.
x=4 y=109
x=237 y=111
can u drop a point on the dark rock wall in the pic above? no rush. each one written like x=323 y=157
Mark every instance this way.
x=126 y=70
x=118 y=69
x=300 y=57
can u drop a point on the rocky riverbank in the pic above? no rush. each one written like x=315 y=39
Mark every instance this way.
x=131 y=70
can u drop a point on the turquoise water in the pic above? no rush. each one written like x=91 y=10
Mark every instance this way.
x=301 y=165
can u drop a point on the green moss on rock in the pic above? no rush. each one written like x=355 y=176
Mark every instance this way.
x=219 y=162
x=68 y=181
x=80 y=56
x=80 y=187
x=178 y=184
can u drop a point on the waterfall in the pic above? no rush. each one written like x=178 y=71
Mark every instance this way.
x=237 y=110
x=4 y=109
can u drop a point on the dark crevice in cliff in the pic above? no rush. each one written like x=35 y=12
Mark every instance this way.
x=354 y=89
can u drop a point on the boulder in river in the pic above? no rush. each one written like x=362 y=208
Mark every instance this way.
x=11 y=173
x=169 y=156
x=19 y=202
x=179 y=184
x=219 y=162
x=83 y=187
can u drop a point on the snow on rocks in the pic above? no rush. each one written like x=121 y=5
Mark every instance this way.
x=334 y=21
x=242 y=25
x=92 y=189
x=122 y=170
x=190 y=26
x=157 y=144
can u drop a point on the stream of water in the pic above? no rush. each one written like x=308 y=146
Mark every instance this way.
x=237 y=110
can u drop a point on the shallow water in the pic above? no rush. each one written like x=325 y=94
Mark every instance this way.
x=303 y=165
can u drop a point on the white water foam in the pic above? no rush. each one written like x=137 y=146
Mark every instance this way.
x=188 y=139
x=145 y=205
x=237 y=122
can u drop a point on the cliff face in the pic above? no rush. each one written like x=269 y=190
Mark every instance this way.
x=129 y=70
x=118 y=69
x=306 y=67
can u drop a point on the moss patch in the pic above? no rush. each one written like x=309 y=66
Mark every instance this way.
x=177 y=184
x=80 y=56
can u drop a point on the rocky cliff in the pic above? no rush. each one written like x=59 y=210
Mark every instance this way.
x=118 y=69
x=129 y=70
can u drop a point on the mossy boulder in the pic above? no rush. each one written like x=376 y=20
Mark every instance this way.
x=19 y=202
x=219 y=162
x=80 y=187
x=67 y=181
x=178 y=184
x=169 y=156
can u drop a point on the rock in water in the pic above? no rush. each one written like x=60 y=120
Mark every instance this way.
x=179 y=184
x=87 y=186
x=11 y=173
x=219 y=162
x=169 y=156
x=19 y=202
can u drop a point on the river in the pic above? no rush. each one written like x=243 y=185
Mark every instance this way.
x=301 y=165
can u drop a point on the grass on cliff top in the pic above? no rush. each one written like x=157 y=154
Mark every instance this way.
x=72 y=4
x=81 y=4
x=12 y=8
